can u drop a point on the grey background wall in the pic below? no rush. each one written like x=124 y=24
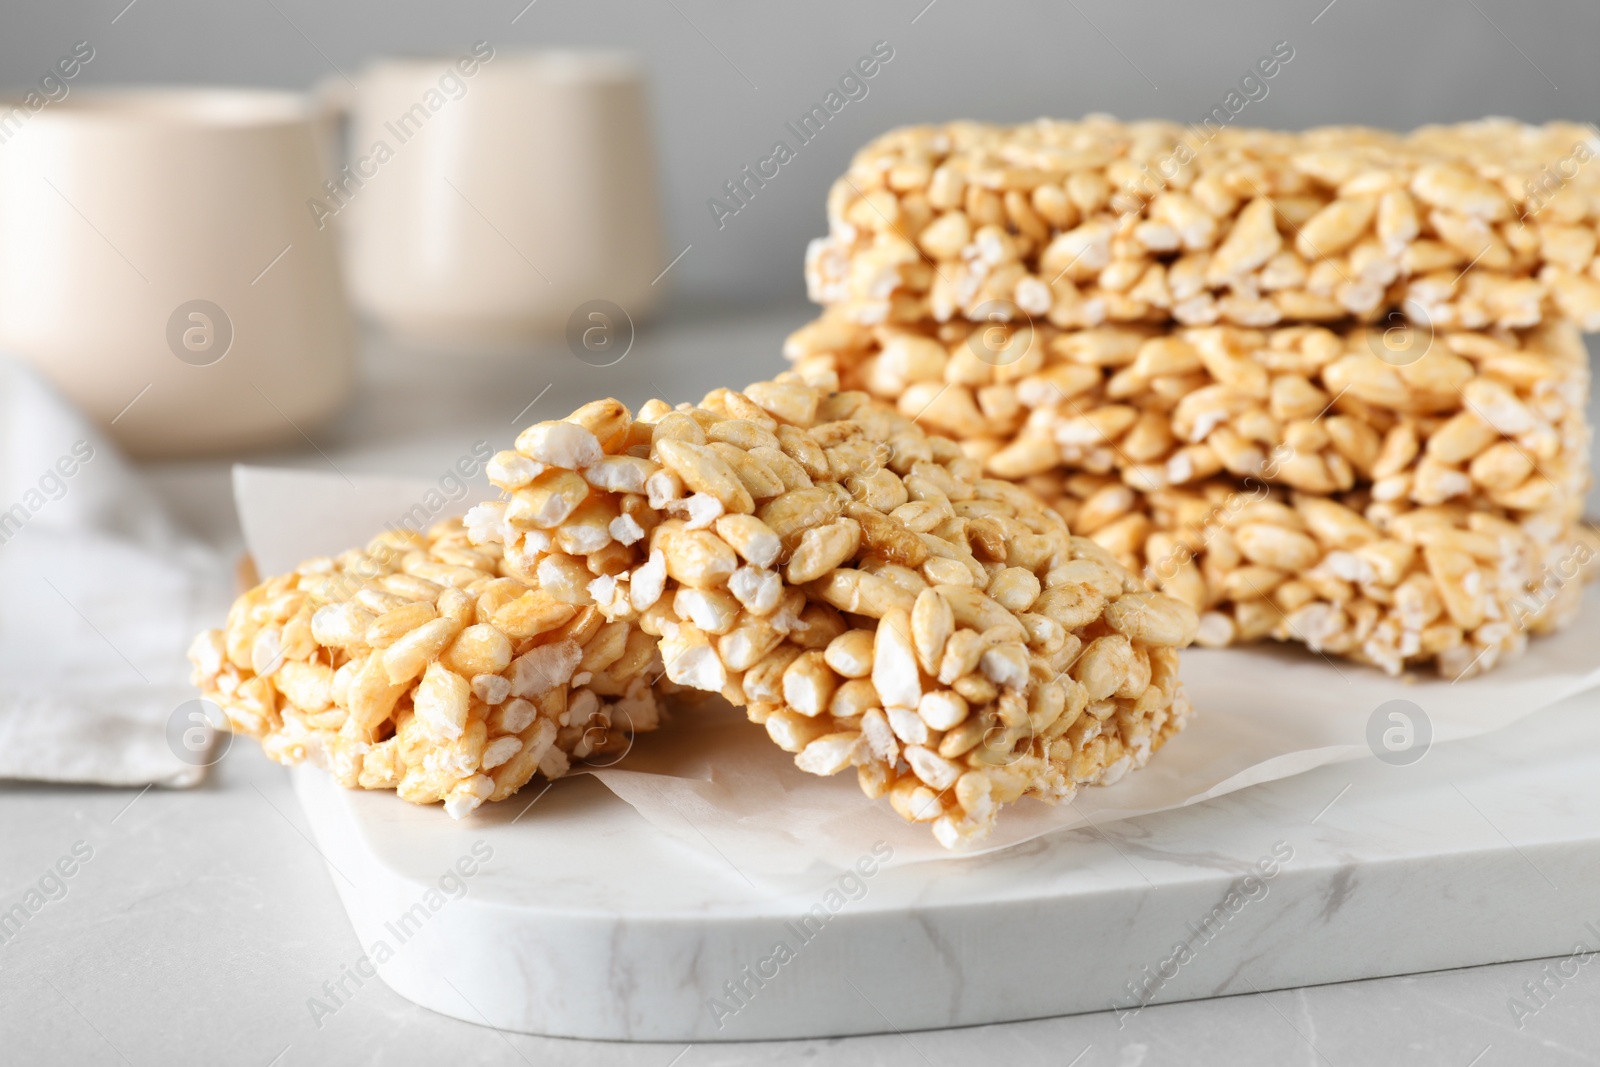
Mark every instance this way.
x=727 y=75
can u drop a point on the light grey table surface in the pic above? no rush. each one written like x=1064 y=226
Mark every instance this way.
x=205 y=920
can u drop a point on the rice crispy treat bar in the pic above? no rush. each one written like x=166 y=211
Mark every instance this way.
x=810 y=555
x=1157 y=444
x=857 y=586
x=1380 y=582
x=1084 y=223
x=1496 y=419
x=417 y=664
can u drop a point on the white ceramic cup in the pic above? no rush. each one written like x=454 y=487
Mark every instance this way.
x=158 y=264
x=488 y=195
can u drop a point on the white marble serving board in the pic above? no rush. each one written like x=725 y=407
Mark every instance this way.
x=575 y=917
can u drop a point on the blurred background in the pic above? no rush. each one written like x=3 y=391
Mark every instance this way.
x=724 y=77
x=720 y=83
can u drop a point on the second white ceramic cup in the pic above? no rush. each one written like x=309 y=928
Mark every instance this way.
x=490 y=194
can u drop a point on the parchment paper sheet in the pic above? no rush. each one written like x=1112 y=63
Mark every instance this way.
x=713 y=779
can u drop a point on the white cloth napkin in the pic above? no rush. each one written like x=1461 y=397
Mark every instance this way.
x=100 y=594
